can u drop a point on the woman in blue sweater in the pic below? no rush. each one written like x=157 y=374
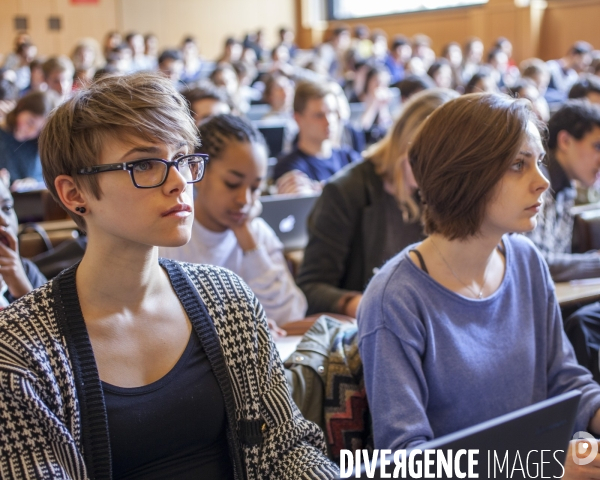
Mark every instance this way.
x=465 y=326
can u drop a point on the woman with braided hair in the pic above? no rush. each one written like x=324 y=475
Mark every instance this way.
x=227 y=230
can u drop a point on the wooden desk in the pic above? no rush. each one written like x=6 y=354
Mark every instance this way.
x=578 y=292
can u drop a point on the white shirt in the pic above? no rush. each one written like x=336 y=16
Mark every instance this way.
x=264 y=270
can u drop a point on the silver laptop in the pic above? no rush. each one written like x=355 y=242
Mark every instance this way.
x=287 y=215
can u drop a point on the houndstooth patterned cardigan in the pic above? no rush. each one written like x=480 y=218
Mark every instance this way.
x=53 y=420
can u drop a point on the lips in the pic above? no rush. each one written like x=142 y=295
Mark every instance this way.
x=238 y=216
x=178 y=210
x=535 y=206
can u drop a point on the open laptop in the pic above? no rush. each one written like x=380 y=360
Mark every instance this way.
x=274 y=136
x=508 y=445
x=287 y=215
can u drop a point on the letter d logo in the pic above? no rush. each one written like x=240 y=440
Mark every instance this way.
x=590 y=446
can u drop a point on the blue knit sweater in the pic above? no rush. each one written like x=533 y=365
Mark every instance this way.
x=436 y=362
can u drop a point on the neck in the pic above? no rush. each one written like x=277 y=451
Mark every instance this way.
x=561 y=158
x=468 y=258
x=118 y=275
x=315 y=149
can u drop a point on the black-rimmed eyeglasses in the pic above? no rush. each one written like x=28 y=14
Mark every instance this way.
x=153 y=172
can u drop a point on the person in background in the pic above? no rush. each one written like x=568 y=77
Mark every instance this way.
x=36 y=80
x=397 y=57
x=465 y=326
x=413 y=84
x=118 y=60
x=421 y=48
x=473 y=55
x=286 y=38
x=314 y=159
x=573 y=155
x=366 y=214
x=537 y=71
x=87 y=59
x=18 y=276
x=13 y=59
x=441 y=73
x=225 y=77
x=26 y=52
x=376 y=96
x=565 y=71
x=151 y=49
x=497 y=61
x=19 y=138
x=170 y=64
x=588 y=87
x=232 y=52
x=279 y=95
x=111 y=41
x=525 y=88
x=58 y=75
x=227 y=230
x=192 y=63
x=453 y=53
x=139 y=60
x=482 y=81
x=206 y=101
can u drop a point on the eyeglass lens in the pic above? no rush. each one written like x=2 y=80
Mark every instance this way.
x=153 y=172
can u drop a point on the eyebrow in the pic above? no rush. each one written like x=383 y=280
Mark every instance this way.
x=151 y=149
x=526 y=153
x=241 y=175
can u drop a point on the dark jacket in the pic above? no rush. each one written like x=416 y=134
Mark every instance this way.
x=347 y=232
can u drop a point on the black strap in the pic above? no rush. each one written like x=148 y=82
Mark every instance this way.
x=424 y=267
x=421 y=261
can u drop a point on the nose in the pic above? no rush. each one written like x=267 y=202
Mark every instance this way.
x=541 y=182
x=175 y=182
x=244 y=197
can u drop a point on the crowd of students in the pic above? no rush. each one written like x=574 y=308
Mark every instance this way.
x=416 y=236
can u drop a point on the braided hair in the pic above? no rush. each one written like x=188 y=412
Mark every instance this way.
x=217 y=132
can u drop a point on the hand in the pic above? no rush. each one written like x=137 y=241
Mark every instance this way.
x=276 y=332
x=11 y=267
x=297 y=183
x=242 y=231
x=352 y=306
x=577 y=472
x=25 y=184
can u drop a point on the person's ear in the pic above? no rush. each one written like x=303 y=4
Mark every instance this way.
x=71 y=196
x=564 y=140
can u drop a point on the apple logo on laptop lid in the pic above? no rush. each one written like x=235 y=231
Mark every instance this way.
x=287 y=224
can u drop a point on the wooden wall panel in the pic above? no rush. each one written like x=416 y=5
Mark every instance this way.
x=565 y=22
x=8 y=10
x=85 y=20
x=554 y=28
x=209 y=21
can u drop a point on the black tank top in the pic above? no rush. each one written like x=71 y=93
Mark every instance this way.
x=172 y=428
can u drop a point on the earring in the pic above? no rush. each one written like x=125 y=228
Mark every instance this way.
x=80 y=209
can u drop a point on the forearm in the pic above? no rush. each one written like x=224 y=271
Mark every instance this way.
x=271 y=281
x=572 y=266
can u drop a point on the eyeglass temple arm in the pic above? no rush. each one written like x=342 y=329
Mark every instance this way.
x=103 y=168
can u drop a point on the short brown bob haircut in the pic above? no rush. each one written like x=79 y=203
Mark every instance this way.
x=461 y=153
x=141 y=105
